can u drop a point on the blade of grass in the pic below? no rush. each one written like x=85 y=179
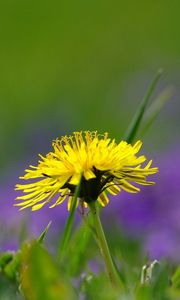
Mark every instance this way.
x=43 y=234
x=68 y=227
x=136 y=121
x=155 y=108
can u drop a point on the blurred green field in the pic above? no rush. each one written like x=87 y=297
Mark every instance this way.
x=74 y=65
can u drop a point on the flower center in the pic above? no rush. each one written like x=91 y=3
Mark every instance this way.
x=92 y=188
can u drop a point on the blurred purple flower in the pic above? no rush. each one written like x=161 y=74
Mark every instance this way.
x=153 y=215
x=17 y=226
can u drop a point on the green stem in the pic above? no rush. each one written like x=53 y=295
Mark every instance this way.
x=111 y=270
x=68 y=227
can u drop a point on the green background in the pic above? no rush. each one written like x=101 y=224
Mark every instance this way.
x=77 y=65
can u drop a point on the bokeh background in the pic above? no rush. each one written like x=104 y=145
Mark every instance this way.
x=78 y=65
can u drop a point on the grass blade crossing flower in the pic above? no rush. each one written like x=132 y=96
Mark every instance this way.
x=105 y=167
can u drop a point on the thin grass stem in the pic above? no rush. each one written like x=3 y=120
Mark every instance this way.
x=136 y=121
x=69 y=224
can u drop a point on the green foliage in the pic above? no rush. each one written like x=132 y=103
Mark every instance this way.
x=9 y=275
x=9 y=290
x=78 y=252
x=157 y=286
x=176 y=279
x=5 y=258
x=174 y=291
x=12 y=268
x=10 y=264
x=41 y=277
x=98 y=287
x=34 y=274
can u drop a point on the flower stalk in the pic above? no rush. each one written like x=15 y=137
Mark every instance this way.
x=110 y=267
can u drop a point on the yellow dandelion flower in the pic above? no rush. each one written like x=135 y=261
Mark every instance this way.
x=103 y=166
